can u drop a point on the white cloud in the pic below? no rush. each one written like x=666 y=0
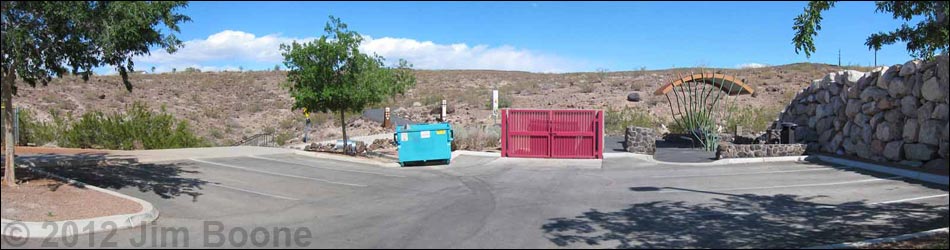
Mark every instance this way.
x=221 y=50
x=751 y=66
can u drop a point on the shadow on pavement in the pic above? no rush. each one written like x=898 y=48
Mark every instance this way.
x=165 y=180
x=741 y=221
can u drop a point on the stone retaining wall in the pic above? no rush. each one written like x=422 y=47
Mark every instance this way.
x=640 y=140
x=729 y=150
x=891 y=114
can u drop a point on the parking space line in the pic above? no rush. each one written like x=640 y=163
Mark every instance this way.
x=751 y=173
x=253 y=192
x=331 y=169
x=912 y=199
x=278 y=174
x=790 y=186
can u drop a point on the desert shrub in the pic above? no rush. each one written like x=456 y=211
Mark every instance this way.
x=283 y=137
x=476 y=138
x=36 y=132
x=138 y=128
x=616 y=121
x=756 y=119
x=504 y=101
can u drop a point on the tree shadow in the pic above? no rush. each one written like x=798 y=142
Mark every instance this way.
x=166 y=180
x=741 y=221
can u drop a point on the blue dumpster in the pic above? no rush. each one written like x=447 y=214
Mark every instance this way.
x=421 y=143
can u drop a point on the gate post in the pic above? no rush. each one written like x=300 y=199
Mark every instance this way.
x=504 y=133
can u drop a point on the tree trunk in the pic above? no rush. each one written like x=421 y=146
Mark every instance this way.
x=9 y=175
x=346 y=148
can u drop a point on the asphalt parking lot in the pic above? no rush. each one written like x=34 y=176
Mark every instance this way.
x=484 y=202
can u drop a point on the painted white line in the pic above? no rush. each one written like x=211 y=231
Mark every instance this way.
x=912 y=199
x=751 y=173
x=790 y=186
x=277 y=174
x=331 y=169
x=253 y=192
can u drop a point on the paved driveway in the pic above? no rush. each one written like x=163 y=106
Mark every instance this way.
x=481 y=202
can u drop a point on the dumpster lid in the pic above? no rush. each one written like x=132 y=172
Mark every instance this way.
x=423 y=127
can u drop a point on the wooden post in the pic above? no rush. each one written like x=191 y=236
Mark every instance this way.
x=387 y=123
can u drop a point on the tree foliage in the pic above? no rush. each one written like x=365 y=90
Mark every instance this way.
x=42 y=39
x=924 y=40
x=330 y=74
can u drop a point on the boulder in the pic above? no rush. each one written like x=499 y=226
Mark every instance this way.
x=918 y=152
x=936 y=164
x=824 y=96
x=863 y=150
x=893 y=116
x=894 y=150
x=872 y=93
x=910 y=130
x=870 y=108
x=925 y=111
x=909 y=106
x=877 y=119
x=885 y=76
x=930 y=132
x=885 y=104
x=942 y=67
x=880 y=82
x=852 y=77
x=909 y=68
x=944 y=150
x=887 y=132
x=634 y=97
x=824 y=111
x=877 y=147
x=854 y=107
x=932 y=91
x=897 y=88
x=941 y=112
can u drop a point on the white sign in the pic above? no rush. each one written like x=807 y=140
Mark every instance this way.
x=424 y=134
x=405 y=137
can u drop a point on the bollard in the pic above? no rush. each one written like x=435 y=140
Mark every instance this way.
x=442 y=117
x=387 y=123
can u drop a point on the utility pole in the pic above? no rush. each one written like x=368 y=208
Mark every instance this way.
x=875 y=58
x=839 y=57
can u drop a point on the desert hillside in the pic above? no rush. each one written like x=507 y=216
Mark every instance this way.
x=225 y=107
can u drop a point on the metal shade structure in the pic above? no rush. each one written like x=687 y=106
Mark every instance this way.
x=728 y=84
x=699 y=103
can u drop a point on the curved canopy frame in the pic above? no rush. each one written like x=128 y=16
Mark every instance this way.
x=721 y=81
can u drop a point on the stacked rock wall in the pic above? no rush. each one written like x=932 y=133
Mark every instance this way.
x=891 y=114
x=728 y=150
x=640 y=140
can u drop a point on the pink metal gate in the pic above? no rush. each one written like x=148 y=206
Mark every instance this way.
x=552 y=133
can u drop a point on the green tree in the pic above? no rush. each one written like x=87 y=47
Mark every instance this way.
x=923 y=40
x=330 y=74
x=43 y=39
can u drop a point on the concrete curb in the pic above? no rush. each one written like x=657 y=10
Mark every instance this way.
x=458 y=153
x=327 y=156
x=649 y=158
x=40 y=230
x=868 y=243
x=920 y=176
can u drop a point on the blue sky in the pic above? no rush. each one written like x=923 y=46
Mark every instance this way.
x=531 y=36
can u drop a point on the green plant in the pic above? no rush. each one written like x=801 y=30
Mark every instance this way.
x=923 y=41
x=138 y=126
x=616 y=121
x=282 y=137
x=330 y=74
x=756 y=119
x=476 y=138
x=504 y=101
